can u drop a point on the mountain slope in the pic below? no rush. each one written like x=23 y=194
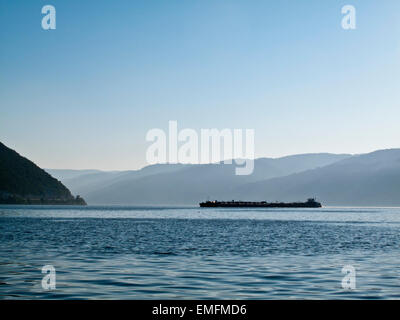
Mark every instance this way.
x=66 y=174
x=86 y=181
x=191 y=184
x=365 y=180
x=21 y=181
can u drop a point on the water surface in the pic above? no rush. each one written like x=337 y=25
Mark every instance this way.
x=192 y=253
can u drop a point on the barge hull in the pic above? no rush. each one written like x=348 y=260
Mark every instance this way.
x=311 y=203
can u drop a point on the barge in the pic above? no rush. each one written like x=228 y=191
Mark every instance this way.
x=310 y=203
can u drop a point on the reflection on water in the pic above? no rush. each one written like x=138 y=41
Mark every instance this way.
x=183 y=253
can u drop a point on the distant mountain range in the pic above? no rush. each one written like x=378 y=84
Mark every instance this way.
x=364 y=180
x=184 y=184
x=22 y=182
x=371 y=179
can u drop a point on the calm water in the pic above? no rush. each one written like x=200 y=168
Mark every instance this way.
x=192 y=253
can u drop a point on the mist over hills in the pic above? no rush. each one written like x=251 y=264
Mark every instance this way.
x=175 y=184
x=371 y=179
x=64 y=174
x=86 y=181
x=364 y=180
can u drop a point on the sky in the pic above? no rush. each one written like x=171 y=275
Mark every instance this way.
x=83 y=96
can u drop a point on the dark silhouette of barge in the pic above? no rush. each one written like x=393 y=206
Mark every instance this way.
x=310 y=203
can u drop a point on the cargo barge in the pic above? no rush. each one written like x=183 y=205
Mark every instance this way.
x=310 y=203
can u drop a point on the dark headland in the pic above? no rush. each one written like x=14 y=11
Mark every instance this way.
x=23 y=182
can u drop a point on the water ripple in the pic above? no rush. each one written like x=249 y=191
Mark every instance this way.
x=181 y=253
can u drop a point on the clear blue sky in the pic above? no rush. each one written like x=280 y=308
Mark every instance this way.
x=84 y=95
